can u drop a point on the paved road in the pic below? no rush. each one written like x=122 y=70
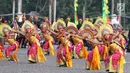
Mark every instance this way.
x=49 y=66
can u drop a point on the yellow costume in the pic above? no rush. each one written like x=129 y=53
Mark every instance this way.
x=49 y=39
x=83 y=52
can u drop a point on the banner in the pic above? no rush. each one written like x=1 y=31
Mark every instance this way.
x=75 y=12
x=105 y=10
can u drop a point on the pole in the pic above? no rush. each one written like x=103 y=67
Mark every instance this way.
x=84 y=11
x=124 y=15
x=19 y=6
x=54 y=11
x=120 y=13
x=112 y=8
x=20 y=10
x=50 y=10
x=13 y=9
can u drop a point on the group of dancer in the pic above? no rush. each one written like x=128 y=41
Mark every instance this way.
x=106 y=42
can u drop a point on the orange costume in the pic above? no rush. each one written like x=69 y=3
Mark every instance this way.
x=93 y=60
x=63 y=53
x=79 y=50
x=1 y=49
x=35 y=50
x=12 y=50
x=48 y=45
x=115 y=59
x=14 y=45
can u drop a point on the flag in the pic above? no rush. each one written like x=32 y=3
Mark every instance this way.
x=105 y=10
x=75 y=12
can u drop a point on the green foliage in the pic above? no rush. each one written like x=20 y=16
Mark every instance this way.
x=65 y=8
x=5 y=6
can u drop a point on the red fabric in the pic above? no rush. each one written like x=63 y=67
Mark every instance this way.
x=10 y=49
x=46 y=46
x=38 y=37
x=32 y=50
x=1 y=46
x=61 y=52
x=90 y=56
x=101 y=49
x=78 y=48
x=115 y=59
x=5 y=21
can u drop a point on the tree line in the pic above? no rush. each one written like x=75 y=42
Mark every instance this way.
x=65 y=8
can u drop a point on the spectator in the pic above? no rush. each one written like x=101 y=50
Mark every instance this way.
x=80 y=23
x=37 y=22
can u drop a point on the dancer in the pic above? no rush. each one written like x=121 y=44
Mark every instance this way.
x=34 y=48
x=63 y=51
x=79 y=51
x=115 y=61
x=49 y=41
x=93 y=60
x=64 y=48
x=12 y=50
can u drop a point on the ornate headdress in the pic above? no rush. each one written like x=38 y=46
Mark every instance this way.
x=105 y=30
x=99 y=21
x=97 y=27
x=53 y=27
x=87 y=33
x=27 y=25
x=4 y=28
x=87 y=25
x=71 y=24
x=71 y=29
x=60 y=24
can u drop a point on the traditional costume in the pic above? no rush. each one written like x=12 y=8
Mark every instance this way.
x=34 y=48
x=65 y=46
x=93 y=60
x=1 y=50
x=63 y=53
x=79 y=51
x=49 y=41
x=114 y=62
x=12 y=50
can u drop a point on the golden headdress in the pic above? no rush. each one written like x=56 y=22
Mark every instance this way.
x=87 y=33
x=87 y=25
x=99 y=21
x=26 y=25
x=4 y=28
x=97 y=27
x=53 y=27
x=104 y=30
x=71 y=24
x=60 y=24
x=71 y=29
x=68 y=19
